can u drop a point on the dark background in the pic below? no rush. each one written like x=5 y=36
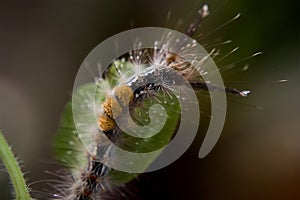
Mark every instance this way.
x=42 y=45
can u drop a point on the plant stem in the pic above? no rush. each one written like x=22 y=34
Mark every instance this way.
x=14 y=170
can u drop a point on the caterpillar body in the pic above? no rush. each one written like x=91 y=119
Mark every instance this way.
x=130 y=86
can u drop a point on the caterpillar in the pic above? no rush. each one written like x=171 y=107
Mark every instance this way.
x=123 y=96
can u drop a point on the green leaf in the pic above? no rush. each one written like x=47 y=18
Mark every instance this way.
x=69 y=154
x=68 y=148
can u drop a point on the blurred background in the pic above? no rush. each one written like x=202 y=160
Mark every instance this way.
x=42 y=45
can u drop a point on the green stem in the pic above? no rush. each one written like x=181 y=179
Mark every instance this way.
x=14 y=170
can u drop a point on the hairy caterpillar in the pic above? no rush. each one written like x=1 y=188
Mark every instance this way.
x=139 y=79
